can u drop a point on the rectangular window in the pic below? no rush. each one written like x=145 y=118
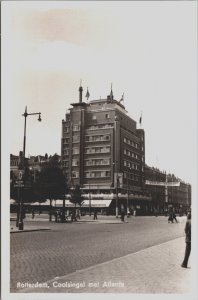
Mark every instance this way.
x=107 y=138
x=76 y=151
x=76 y=138
x=75 y=174
x=107 y=116
x=66 y=151
x=94 y=117
x=76 y=127
x=75 y=162
x=105 y=150
x=66 y=141
x=66 y=164
x=66 y=130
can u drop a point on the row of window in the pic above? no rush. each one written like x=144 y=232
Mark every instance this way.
x=97 y=174
x=130 y=153
x=92 y=150
x=89 y=150
x=75 y=163
x=74 y=128
x=74 y=151
x=97 y=138
x=14 y=163
x=92 y=127
x=100 y=174
x=107 y=116
x=131 y=176
x=91 y=162
x=129 y=142
x=100 y=126
x=97 y=162
x=75 y=139
x=130 y=165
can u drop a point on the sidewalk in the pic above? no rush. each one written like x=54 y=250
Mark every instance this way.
x=27 y=228
x=155 y=270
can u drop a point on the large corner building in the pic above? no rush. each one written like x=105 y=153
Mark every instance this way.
x=103 y=151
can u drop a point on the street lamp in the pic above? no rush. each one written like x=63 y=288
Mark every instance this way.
x=89 y=202
x=116 y=181
x=24 y=144
x=128 y=193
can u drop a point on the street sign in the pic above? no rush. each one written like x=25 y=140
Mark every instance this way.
x=19 y=183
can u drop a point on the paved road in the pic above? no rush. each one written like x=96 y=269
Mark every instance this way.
x=42 y=256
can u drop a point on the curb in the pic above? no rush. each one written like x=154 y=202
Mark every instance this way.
x=29 y=230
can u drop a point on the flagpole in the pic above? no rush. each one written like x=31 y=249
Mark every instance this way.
x=140 y=120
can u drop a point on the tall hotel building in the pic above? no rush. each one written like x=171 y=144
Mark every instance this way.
x=103 y=151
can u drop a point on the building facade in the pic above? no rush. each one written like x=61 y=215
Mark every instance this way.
x=103 y=151
x=167 y=191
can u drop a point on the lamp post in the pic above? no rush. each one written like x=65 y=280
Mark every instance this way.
x=24 y=144
x=116 y=182
x=128 y=194
x=89 y=202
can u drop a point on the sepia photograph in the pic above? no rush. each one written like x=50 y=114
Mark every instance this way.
x=99 y=149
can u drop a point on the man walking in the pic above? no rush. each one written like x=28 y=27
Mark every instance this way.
x=95 y=215
x=188 y=241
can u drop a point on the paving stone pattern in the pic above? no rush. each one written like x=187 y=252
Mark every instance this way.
x=43 y=255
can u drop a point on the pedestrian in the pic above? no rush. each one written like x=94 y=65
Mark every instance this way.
x=78 y=213
x=56 y=216
x=32 y=214
x=174 y=217
x=187 y=240
x=170 y=217
x=122 y=215
x=73 y=216
x=95 y=215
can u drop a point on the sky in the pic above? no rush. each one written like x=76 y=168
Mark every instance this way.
x=147 y=50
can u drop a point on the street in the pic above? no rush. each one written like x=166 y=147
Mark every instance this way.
x=40 y=256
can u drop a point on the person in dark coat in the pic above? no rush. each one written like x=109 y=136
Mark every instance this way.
x=73 y=216
x=122 y=215
x=170 y=217
x=188 y=241
x=95 y=215
x=174 y=217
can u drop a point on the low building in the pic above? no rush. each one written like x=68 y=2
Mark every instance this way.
x=167 y=191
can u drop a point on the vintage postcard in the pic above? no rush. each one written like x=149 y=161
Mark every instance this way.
x=99 y=149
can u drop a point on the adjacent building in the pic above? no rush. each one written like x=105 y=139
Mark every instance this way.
x=167 y=191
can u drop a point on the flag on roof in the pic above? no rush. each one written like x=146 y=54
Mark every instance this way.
x=87 y=94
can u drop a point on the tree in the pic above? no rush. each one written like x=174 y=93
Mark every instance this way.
x=76 y=196
x=51 y=183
